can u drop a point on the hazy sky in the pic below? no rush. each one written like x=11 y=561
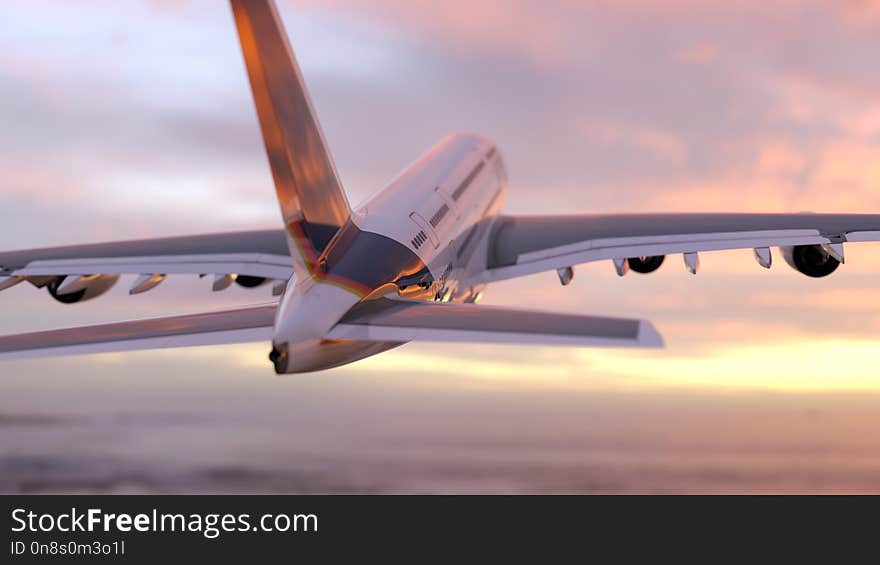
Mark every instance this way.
x=135 y=119
x=128 y=120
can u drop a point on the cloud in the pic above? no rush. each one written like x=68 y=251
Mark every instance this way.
x=849 y=167
x=781 y=157
x=663 y=145
x=862 y=13
x=597 y=107
x=701 y=54
x=135 y=119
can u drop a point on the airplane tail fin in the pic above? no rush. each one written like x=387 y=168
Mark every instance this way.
x=313 y=203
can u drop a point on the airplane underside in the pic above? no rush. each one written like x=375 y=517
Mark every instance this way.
x=322 y=354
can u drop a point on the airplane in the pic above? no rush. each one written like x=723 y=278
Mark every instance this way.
x=409 y=264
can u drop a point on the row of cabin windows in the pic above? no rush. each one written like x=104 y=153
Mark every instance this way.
x=467 y=181
x=439 y=215
x=419 y=239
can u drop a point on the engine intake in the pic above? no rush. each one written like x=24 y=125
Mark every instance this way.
x=811 y=260
x=248 y=281
x=94 y=288
x=647 y=264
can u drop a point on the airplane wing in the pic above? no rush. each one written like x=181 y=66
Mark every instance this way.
x=392 y=320
x=524 y=245
x=240 y=325
x=260 y=254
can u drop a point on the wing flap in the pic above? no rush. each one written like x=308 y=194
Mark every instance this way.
x=241 y=325
x=399 y=320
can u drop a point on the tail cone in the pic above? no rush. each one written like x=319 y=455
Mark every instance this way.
x=278 y=357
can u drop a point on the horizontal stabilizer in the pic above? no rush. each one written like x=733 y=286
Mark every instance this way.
x=400 y=321
x=241 y=325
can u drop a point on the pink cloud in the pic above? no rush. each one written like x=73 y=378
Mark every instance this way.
x=850 y=169
x=780 y=157
x=665 y=145
x=864 y=13
x=701 y=53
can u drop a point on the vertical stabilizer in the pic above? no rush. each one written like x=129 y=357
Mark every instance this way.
x=312 y=201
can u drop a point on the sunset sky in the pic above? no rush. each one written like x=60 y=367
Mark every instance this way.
x=135 y=119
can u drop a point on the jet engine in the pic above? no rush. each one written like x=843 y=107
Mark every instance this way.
x=645 y=264
x=811 y=260
x=71 y=289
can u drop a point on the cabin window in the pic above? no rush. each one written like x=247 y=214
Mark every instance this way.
x=439 y=215
x=419 y=239
x=467 y=181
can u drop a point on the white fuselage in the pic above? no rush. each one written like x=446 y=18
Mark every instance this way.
x=437 y=213
x=407 y=206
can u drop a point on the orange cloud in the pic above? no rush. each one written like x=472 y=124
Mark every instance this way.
x=860 y=12
x=664 y=145
x=850 y=169
x=746 y=193
x=780 y=157
x=701 y=53
x=462 y=25
x=834 y=300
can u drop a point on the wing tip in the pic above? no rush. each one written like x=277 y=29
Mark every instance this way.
x=649 y=336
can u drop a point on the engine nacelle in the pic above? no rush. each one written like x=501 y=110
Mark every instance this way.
x=811 y=260
x=94 y=288
x=645 y=265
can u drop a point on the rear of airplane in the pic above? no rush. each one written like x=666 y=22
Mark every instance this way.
x=344 y=306
x=354 y=299
x=330 y=323
x=313 y=203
